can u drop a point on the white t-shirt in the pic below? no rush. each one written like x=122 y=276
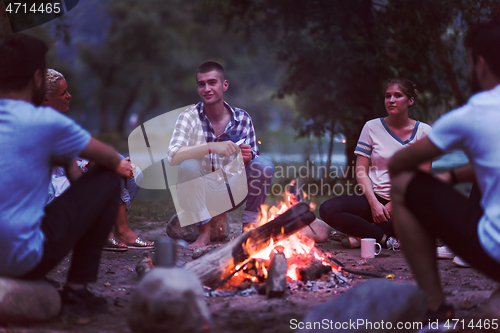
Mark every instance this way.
x=475 y=129
x=379 y=144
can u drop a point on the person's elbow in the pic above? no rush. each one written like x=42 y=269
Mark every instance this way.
x=174 y=159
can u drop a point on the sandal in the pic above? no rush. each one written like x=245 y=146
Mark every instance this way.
x=113 y=244
x=140 y=244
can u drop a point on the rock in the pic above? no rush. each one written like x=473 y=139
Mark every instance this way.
x=24 y=301
x=219 y=229
x=372 y=302
x=493 y=307
x=169 y=300
x=321 y=231
x=145 y=264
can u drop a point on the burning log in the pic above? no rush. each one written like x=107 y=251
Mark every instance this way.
x=215 y=266
x=314 y=271
x=276 y=279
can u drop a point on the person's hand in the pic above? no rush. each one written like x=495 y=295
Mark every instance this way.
x=379 y=213
x=125 y=169
x=225 y=148
x=388 y=206
x=246 y=152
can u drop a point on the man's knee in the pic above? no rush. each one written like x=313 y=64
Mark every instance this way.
x=399 y=184
x=261 y=167
x=105 y=179
x=189 y=169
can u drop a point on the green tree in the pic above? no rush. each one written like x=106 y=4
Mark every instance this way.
x=338 y=53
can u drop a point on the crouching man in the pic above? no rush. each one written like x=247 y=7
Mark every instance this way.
x=34 y=139
x=426 y=208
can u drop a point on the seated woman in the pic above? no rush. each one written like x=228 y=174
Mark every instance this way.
x=57 y=97
x=368 y=214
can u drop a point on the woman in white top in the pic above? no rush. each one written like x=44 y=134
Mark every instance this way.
x=58 y=97
x=368 y=214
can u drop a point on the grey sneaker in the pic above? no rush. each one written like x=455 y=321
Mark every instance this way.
x=392 y=244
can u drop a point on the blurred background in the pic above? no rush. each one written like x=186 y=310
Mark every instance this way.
x=310 y=73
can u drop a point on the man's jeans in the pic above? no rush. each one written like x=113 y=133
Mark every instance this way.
x=206 y=195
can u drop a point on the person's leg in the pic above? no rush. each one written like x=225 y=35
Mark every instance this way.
x=418 y=246
x=351 y=214
x=79 y=220
x=191 y=188
x=429 y=209
x=259 y=174
x=453 y=218
x=204 y=237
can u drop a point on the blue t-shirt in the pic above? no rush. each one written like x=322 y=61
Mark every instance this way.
x=30 y=138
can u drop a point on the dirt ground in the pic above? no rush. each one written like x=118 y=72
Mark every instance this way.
x=466 y=289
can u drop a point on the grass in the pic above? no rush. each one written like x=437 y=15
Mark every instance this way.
x=150 y=210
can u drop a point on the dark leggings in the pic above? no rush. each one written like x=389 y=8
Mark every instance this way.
x=79 y=220
x=352 y=215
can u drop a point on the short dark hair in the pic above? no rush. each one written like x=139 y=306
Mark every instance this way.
x=21 y=56
x=212 y=66
x=407 y=87
x=483 y=40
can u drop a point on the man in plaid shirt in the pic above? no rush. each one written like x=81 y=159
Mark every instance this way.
x=205 y=144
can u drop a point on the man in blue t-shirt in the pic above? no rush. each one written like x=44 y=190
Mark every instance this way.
x=34 y=139
x=426 y=208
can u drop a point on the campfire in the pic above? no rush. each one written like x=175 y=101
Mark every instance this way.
x=274 y=253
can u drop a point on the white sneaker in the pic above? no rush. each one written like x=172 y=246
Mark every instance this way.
x=460 y=262
x=443 y=252
x=392 y=244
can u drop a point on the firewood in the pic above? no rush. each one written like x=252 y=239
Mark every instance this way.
x=276 y=278
x=314 y=271
x=216 y=265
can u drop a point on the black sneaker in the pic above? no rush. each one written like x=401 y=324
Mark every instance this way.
x=82 y=302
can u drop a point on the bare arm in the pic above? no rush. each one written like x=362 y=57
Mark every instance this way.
x=225 y=148
x=411 y=157
x=101 y=154
x=379 y=212
x=464 y=173
x=72 y=170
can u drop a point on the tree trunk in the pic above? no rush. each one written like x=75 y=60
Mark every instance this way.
x=122 y=116
x=448 y=70
x=329 y=156
x=154 y=101
x=103 y=113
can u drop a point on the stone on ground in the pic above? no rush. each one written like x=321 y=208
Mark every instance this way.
x=23 y=301
x=219 y=229
x=493 y=307
x=372 y=302
x=321 y=231
x=169 y=300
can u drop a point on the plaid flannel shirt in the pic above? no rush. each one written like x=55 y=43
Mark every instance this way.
x=193 y=128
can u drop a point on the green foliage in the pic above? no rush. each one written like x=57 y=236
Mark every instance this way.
x=152 y=50
x=338 y=53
